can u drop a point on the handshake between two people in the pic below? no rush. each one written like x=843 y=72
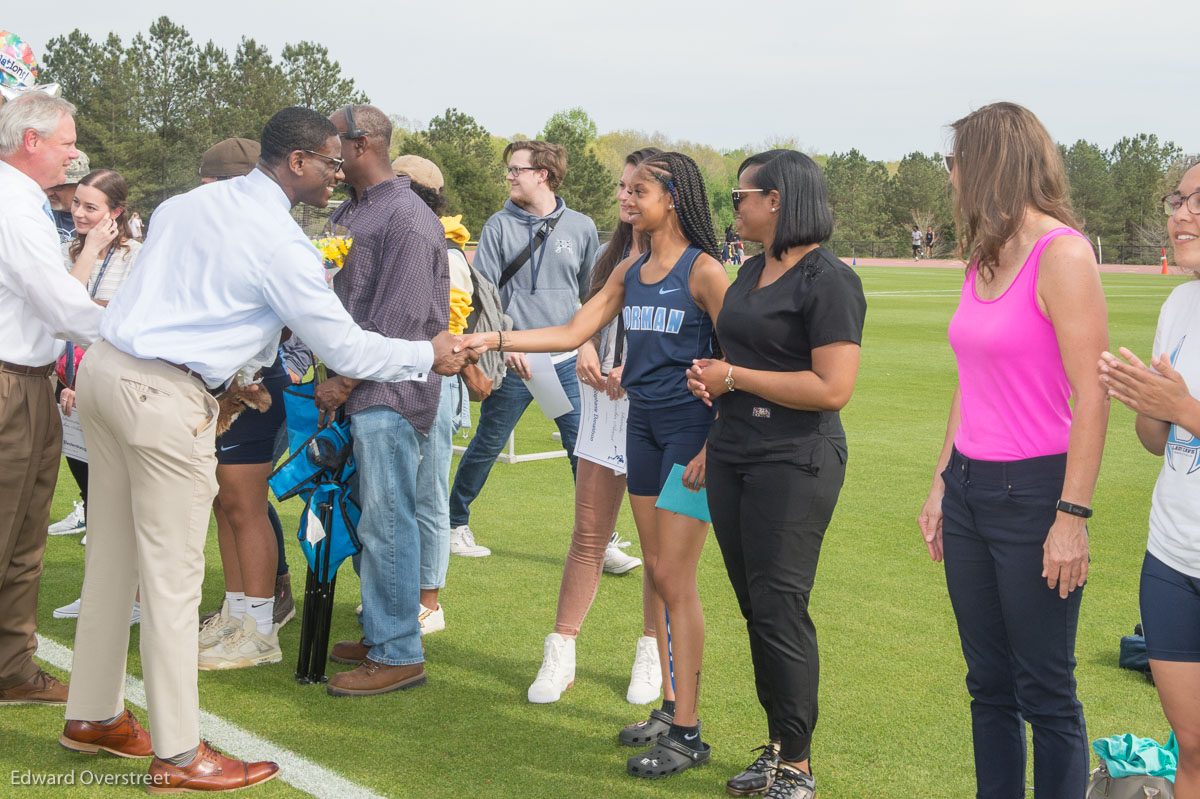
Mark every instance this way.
x=452 y=354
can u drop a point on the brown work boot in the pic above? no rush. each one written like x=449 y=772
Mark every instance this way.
x=285 y=606
x=210 y=771
x=40 y=689
x=123 y=737
x=376 y=678
x=352 y=653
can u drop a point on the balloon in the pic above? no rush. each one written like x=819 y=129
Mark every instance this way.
x=18 y=66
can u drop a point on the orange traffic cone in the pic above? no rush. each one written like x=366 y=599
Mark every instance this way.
x=1164 y=260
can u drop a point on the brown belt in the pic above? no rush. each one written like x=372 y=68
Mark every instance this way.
x=29 y=371
x=216 y=392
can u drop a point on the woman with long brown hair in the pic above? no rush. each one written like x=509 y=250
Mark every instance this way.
x=100 y=256
x=1011 y=493
x=599 y=492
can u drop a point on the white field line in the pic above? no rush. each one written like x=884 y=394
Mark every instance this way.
x=295 y=770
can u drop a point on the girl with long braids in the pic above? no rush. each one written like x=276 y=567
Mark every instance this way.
x=598 y=495
x=668 y=298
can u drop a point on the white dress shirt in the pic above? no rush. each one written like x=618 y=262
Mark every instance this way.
x=224 y=268
x=40 y=304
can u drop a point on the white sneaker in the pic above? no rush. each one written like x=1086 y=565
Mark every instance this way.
x=71 y=611
x=245 y=648
x=73 y=523
x=645 y=682
x=557 y=673
x=83 y=541
x=462 y=542
x=616 y=561
x=432 y=621
x=217 y=627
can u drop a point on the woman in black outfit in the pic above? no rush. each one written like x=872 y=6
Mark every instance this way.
x=790 y=330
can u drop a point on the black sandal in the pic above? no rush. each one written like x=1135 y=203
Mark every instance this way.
x=646 y=732
x=667 y=757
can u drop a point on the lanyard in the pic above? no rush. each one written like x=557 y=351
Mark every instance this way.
x=103 y=268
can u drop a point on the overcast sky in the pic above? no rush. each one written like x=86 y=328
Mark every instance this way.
x=884 y=77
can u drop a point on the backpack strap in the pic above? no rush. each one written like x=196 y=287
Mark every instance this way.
x=543 y=233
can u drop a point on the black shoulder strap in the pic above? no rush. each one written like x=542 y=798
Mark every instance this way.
x=538 y=240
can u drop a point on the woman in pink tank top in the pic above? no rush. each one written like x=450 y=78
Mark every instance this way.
x=1013 y=486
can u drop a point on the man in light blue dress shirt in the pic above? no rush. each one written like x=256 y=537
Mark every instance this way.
x=223 y=270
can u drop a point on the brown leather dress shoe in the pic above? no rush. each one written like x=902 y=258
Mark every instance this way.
x=352 y=653
x=40 y=689
x=123 y=738
x=210 y=771
x=376 y=678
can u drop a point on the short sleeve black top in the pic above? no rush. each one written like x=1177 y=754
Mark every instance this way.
x=775 y=328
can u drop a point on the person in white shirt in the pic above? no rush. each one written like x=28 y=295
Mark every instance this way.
x=40 y=304
x=226 y=270
x=1166 y=398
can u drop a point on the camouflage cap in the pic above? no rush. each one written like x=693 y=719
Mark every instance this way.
x=230 y=158
x=77 y=170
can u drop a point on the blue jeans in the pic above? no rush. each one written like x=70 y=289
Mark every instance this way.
x=498 y=415
x=1018 y=636
x=433 y=483
x=387 y=451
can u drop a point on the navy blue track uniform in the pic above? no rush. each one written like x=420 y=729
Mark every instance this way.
x=664 y=330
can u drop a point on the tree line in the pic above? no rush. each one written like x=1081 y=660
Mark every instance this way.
x=149 y=109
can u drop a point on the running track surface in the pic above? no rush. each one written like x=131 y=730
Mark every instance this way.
x=925 y=263
x=1127 y=269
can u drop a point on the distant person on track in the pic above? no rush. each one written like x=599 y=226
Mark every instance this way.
x=917 y=241
x=929 y=239
x=1008 y=508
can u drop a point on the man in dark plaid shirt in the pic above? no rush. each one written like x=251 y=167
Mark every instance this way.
x=396 y=282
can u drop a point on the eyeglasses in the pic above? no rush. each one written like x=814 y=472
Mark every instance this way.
x=737 y=195
x=1174 y=201
x=950 y=163
x=336 y=163
x=515 y=171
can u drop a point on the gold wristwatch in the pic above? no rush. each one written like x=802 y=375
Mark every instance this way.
x=729 y=380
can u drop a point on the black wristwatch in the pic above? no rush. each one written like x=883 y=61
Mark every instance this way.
x=1075 y=510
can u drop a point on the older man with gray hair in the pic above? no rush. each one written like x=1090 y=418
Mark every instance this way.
x=40 y=305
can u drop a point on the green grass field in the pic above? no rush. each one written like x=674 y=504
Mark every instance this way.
x=894 y=709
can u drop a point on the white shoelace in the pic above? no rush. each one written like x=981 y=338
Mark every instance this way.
x=618 y=542
x=551 y=661
x=643 y=662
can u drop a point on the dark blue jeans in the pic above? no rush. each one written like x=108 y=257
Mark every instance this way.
x=1018 y=636
x=498 y=415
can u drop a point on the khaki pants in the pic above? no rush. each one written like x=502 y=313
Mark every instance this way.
x=30 y=443
x=150 y=432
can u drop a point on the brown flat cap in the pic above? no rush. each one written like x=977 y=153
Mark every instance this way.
x=419 y=170
x=229 y=158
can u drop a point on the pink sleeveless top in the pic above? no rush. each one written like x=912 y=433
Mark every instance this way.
x=1014 y=390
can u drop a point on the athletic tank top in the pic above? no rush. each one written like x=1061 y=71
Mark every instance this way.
x=1015 y=395
x=664 y=331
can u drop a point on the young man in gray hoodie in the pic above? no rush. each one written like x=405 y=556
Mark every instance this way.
x=560 y=246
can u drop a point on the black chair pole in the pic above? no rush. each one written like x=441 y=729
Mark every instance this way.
x=307 y=627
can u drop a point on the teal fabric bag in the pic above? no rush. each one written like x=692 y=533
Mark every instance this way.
x=1128 y=755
